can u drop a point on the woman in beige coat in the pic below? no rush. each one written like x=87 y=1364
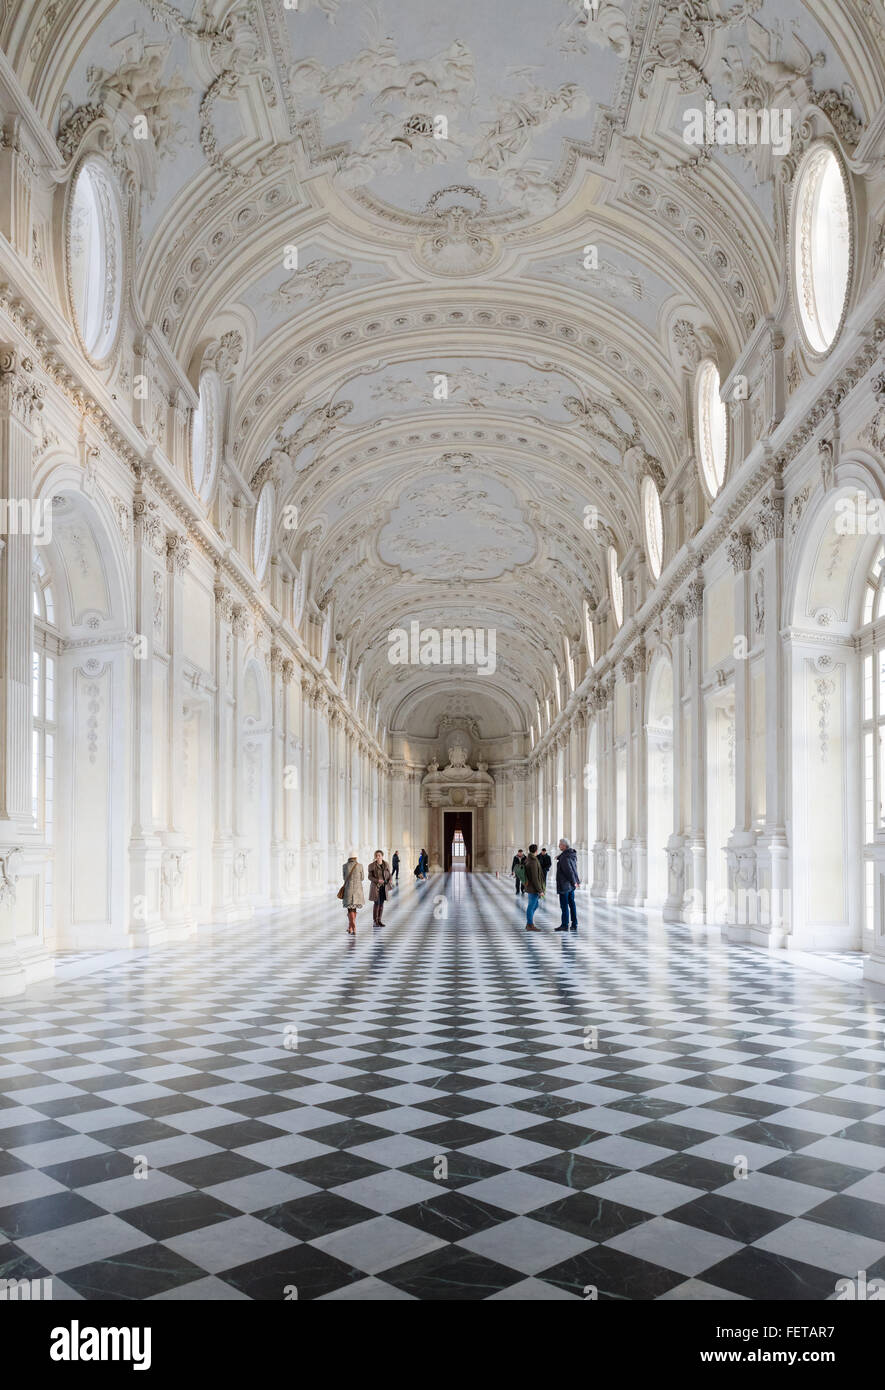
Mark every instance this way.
x=353 y=896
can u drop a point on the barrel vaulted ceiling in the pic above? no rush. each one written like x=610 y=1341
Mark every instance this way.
x=317 y=127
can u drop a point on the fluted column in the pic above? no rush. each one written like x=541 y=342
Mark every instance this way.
x=673 y=904
x=20 y=399
x=694 y=904
x=772 y=846
x=742 y=899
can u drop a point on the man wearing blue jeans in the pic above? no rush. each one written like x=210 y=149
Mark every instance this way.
x=566 y=882
x=534 y=887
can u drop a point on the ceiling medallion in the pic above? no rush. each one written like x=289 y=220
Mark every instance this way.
x=458 y=243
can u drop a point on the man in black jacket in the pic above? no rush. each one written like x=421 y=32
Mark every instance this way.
x=394 y=864
x=515 y=868
x=534 y=887
x=566 y=882
x=545 y=861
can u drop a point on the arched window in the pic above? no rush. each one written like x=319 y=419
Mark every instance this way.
x=44 y=598
x=95 y=256
x=821 y=246
x=653 y=521
x=590 y=639
x=711 y=426
x=261 y=536
x=616 y=585
x=206 y=435
x=874 y=592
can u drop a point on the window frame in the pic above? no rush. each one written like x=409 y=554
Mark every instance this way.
x=654 y=552
x=816 y=154
x=107 y=204
x=705 y=400
x=616 y=587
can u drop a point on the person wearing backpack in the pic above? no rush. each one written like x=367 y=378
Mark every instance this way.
x=515 y=867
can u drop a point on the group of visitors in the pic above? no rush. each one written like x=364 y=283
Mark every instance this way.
x=529 y=871
x=530 y=874
x=352 y=894
x=517 y=868
x=381 y=876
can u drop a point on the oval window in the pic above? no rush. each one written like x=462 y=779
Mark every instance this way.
x=616 y=584
x=95 y=256
x=205 y=438
x=711 y=422
x=821 y=246
x=653 y=518
x=262 y=534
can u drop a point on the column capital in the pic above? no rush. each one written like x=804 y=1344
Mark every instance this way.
x=178 y=553
x=148 y=527
x=694 y=599
x=768 y=523
x=224 y=604
x=240 y=620
x=20 y=394
x=676 y=619
x=739 y=550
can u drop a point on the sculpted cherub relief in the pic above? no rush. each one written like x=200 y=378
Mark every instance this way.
x=315 y=281
x=319 y=423
x=583 y=30
x=138 y=83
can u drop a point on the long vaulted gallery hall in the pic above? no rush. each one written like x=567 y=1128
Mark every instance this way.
x=442 y=486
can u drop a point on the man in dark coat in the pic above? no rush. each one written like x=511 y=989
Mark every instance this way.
x=546 y=862
x=534 y=887
x=394 y=864
x=516 y=867
x=566 y=882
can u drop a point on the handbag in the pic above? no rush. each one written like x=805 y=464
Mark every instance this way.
x=340 y=893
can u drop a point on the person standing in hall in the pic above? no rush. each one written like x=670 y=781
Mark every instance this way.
x=394 y=867
x=379 y=883
x=545 y=861
x=351 y=893
x=566 y=882
x=534 y=887
x=516 y=869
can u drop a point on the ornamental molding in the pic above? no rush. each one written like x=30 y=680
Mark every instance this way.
x=10 y=870
x=398 y=324
x=693 y=601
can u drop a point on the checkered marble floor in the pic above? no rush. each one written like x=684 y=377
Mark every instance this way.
x=426 y=1112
